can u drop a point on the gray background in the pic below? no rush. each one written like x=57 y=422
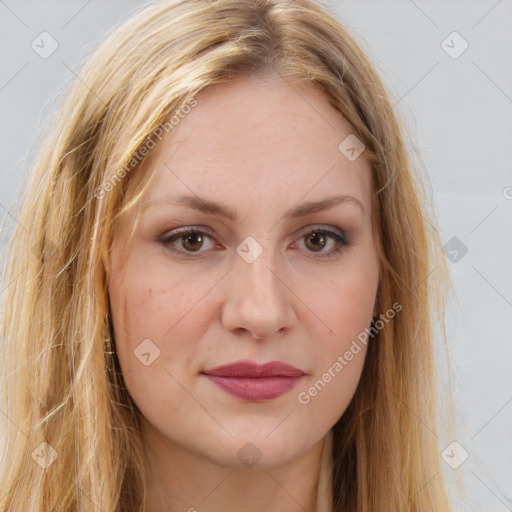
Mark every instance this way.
x=459 y=112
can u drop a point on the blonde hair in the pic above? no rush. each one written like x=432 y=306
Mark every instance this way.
x=60 y=379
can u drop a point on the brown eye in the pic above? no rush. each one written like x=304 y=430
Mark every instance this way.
x=192 y=242
x=188 y=242
x=316 y=241
x=325 y=243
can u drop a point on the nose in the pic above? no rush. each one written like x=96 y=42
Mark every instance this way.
x=259 y=300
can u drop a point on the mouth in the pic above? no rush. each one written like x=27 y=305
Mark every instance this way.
x=253 y=382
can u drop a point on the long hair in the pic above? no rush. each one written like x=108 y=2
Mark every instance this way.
x=71 y=434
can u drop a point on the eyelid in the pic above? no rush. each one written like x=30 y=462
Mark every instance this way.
x=198 y=227
x=171 y=233
x=179 y=232
x=321 y=227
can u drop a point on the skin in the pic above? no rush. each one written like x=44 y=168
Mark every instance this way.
x=261 y=147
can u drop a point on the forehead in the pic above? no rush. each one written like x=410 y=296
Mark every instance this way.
x=263 y=138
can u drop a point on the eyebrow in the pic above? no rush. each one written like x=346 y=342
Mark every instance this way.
x=214 y=208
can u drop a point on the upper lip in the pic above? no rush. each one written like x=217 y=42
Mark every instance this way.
x=253 y=369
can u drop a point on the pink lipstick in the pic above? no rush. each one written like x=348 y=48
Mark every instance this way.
x=251 y=381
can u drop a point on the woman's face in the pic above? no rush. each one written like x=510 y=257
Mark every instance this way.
x=264 y=276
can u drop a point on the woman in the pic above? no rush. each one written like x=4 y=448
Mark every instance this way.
x=224 y=300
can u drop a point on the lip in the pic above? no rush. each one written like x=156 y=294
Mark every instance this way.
x=251 y=381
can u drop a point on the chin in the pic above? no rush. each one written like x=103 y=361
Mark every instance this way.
x=260 y=451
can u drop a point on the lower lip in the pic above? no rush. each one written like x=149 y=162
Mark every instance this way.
x=255 y=389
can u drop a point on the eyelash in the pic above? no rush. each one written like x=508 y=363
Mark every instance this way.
x=341 y=241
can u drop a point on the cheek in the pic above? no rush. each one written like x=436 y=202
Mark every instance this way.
x=144 y=314
x=344 y=305
x=327 y=394
x=339 y=355
x=147 y=299
x=153 y=313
